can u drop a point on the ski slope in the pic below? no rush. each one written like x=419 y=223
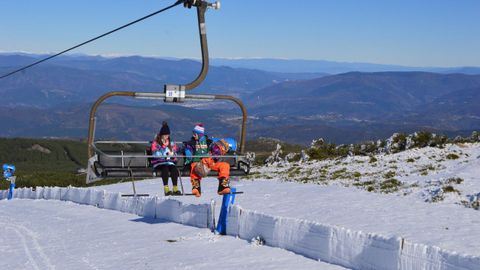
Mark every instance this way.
x=362 y=216
x=49 y=234
x=334 y=221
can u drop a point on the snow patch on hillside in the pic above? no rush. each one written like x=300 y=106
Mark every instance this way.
x=435 y=175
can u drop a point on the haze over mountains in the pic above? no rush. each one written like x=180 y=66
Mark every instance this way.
x=330 y=67
x=85 y=78
x=298 y=104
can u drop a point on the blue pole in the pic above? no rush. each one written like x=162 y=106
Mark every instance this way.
x=10 y=190
x=8 y=171
x=222 y=219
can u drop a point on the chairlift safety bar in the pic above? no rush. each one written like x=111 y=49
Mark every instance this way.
x=122 y=155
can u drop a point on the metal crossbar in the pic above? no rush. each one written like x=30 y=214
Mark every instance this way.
x=151 y=156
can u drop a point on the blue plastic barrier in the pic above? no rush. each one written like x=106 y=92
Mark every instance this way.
x=228 y=199
x=8 y=171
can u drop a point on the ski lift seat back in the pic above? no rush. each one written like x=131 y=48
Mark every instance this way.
x=123 y=164
x=123 y=160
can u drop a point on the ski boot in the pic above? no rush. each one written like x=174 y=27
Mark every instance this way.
x=176 y=192
x=196 y=189
x=223 y=187
x=167 y=191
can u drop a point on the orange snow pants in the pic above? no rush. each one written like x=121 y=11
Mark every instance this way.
x=223 y=168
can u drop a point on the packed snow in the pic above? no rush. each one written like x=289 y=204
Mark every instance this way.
x=349 y=212
x=52 y=234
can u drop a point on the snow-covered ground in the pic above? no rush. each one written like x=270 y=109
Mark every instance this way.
x=449 y=227
x=447 y=175
x=399 y=211
x=41 y=234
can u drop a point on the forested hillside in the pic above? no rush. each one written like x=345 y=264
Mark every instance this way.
x=42 y=162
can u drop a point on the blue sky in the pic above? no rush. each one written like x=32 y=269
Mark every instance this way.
x=403 y=32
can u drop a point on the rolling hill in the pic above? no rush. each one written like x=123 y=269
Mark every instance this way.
x=53 y=100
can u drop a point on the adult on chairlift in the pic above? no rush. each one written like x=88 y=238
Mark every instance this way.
x=165 y=163
x=203 y=163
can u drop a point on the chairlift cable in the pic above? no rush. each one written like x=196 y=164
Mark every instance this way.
x=95 y=38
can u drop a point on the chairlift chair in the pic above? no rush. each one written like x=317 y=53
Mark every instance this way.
x=127 y=164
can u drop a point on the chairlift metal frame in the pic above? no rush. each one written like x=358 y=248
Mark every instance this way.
x=97 y=171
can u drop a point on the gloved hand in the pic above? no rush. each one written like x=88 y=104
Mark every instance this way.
x=188 y=154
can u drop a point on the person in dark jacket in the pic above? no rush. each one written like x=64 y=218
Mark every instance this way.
x=165 y=164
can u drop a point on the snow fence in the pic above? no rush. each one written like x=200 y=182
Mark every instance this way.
x=197 y=215
x=332 y=244
x=337 y=245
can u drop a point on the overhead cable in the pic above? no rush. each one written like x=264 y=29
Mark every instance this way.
x=93 y=39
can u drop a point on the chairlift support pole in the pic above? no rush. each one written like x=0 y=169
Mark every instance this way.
x=201 y=9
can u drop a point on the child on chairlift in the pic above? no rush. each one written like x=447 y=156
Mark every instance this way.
x=165 y=164
x=202 y=165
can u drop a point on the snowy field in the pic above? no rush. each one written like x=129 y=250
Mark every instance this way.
x=47 y=234
x=448 y=175
x=448 y=226
x=345 y=214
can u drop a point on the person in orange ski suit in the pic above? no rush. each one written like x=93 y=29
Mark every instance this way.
x=201 y=168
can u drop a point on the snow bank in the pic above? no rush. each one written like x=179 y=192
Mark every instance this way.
x=197 y=215
x=188 y=214
x=332 y=244
x=336 y=245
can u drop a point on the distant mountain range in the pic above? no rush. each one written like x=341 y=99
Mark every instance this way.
x=84 y=79
x=300 y=67
x=53 y=100
x=330 y=67
x=367 y=105
x=366 y=96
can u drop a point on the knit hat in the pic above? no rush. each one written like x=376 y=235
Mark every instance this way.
x=199 y=129
x=165 y=130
